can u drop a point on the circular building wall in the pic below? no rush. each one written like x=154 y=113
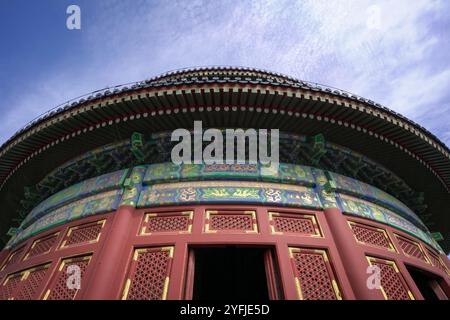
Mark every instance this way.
x=97 y=210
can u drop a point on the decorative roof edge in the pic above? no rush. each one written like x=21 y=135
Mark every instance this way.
x=108 y=91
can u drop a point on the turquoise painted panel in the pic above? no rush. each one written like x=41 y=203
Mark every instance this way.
x=80 y=190
x=274 y=194
x=133 y=186
x=54 y=218
x=96 y=204
x=327 y=197
x=286 y=173
x=362 y=190
x=372 y=211
x=228 y=192
x=161 y=172
x=362 y=208
x=169 y=184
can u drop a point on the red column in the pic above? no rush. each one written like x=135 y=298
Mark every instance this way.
x=177 y=274
x=108 y=275
x=286 y=273
x=353 y=257
x=445 y=281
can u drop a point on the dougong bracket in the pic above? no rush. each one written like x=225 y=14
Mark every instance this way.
x=137 y=144
x=318 y=148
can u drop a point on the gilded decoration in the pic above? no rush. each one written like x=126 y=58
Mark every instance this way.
x=169 y=184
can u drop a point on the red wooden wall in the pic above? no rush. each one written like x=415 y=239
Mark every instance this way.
x=144 y=254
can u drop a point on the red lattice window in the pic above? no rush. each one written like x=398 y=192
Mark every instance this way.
x=9 y=286
x=31 y=281
x=180 y=222
x=371 y=236
x=13 y=258
x=23 y=285
x=83 y=234
x=301 y=224
x=231 y=221
x=436 y=261
x=41 y=246
x=59 y=288
x=148 y=277
x=314 y=275
x=411 y=248
x=393 y=286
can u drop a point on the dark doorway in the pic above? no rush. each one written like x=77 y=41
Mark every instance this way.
x=427 y=284
x=230 y=272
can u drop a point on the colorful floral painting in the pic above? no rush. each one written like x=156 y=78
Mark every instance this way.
x=78 y=191
x=169 y=184
x=229 y=192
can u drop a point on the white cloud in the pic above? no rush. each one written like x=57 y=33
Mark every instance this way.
x=322 y=41
x=418 y=90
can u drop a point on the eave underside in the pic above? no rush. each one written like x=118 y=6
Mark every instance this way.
x=306 y=114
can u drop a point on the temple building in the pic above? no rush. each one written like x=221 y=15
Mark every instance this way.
x=93 y=207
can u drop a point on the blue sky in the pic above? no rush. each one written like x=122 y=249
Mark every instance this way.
x=394 y=52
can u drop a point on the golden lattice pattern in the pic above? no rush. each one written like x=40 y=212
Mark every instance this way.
x=41 y=246
x=314 y=275
x=411 y=248
x=392 y=282
x=371 y=236
x=60 y=289
x=170 y=223
x=83 y=234
x=9 y=286
x=149 y=274
x=230 y=222
x=289 y=224
x=13 y=258
x=31 y=283
x=436 y=261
